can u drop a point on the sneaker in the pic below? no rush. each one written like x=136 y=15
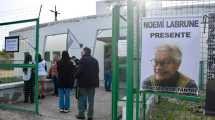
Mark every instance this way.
x=79 y=117
x=66 y=111
x=61 y=110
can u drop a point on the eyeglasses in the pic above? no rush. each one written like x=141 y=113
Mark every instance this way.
x=161 y=63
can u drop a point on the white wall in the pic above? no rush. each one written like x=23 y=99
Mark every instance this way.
x=99 y=55
x=56 y=43
x=84 y=30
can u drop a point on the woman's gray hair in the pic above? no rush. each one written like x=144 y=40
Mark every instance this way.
x=173 y=50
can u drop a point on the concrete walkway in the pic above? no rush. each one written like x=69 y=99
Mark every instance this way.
x=49 y=109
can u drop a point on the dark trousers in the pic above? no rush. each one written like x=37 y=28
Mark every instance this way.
x=108 y=81
x=55 y=82
x=108 y=84
x=29 y=91
x=86 y=100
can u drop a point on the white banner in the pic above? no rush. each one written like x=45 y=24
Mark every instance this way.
x=179 y=32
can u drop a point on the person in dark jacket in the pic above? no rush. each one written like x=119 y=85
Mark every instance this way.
x=88 y=80
x=66 y=71
x=29 y=79
x=75 y=61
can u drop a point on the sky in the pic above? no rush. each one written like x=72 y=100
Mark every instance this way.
x=67 y=8
x=11 y=10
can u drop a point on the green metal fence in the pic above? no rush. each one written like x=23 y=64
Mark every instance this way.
x=12 y=64
x=136 y=99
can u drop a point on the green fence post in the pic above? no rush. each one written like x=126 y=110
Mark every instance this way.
x=129 y=75
x=137 y=70
x=201 y=75
x=115 y=68
x=144 y=105
x=36 y=67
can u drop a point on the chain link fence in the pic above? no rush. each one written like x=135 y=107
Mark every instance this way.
x=164 y=107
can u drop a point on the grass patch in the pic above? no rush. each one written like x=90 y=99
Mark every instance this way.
x=173 y=109
x=9 y=80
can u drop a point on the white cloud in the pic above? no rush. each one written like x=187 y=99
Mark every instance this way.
x=12 y=10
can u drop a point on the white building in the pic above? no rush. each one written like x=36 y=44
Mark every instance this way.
x=68 y=34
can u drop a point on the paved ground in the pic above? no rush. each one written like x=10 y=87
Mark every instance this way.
x=49 y=109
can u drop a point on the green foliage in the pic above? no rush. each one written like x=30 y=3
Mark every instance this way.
x=9 y=80
x=6 y=55
x=4 y=59
x=174 y=109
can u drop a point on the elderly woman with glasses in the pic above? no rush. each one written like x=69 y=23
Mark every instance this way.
x=166 y=64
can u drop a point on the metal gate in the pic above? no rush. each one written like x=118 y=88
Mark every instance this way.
x=12 y=65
